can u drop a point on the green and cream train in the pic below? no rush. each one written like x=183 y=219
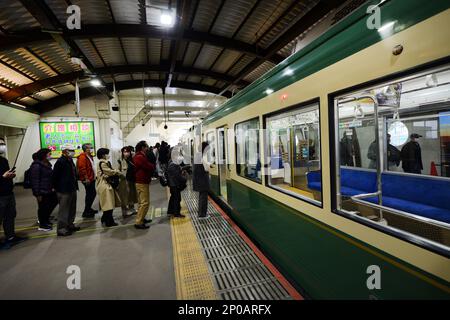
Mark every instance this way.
x=337 y=161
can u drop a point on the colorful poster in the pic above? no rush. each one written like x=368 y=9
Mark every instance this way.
x=444 y=132
x=55 y=134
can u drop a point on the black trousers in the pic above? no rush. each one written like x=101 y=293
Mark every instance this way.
x=90 y=196
x=46 y=207
x=8 y=214
x=174 y=201
x=202 y=203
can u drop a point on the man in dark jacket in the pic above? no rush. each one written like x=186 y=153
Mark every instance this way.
x=411 y=155
x=201 y=180
x=143 y=174
x=177 y=182
x=7 y=201
x=42 y=186
x=65 y=183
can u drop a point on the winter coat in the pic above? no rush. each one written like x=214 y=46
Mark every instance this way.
x=6 y=185
x=143 y=168
x=411 y=155
x=85 y=167
x=108 y=197
x=200 y=177
x=41 y=178
x=64 y=176
x=176 y=179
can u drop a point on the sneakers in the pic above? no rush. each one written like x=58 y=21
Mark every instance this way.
x=45 y=227
x=141 y=226
x=12 y=242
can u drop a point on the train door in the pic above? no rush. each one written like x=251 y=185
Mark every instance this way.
x=222 y=161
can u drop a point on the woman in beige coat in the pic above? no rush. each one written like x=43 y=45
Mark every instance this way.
x=108 y=196
x=127 y=186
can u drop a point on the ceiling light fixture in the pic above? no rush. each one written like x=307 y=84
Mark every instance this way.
x=166 y=18
x=269 y=91
x=96 y=83
x=147 y=91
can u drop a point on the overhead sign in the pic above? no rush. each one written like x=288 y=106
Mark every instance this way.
x=55 y=134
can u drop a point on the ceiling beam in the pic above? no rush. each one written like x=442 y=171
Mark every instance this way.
x=39 y=85
x=135 y=30
x=180 y=23
x=48 y=20
x=311 y=17
x=66 y=98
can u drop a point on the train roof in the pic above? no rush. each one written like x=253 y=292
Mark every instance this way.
x=347 y=37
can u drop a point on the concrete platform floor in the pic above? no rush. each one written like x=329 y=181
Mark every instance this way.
x=115 y=263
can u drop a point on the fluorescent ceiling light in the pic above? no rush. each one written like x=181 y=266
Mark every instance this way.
x=269 y=91
x=166 y=18
x=147 y=91
x=96 y=83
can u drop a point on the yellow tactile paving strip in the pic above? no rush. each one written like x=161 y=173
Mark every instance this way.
x=193 y=280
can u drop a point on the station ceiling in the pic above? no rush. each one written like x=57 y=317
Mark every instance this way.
x=215 y=46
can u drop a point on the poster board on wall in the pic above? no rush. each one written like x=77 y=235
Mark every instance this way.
x=55 y=134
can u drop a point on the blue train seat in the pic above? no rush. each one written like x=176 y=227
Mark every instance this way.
x=419 y=195
x=353 y=181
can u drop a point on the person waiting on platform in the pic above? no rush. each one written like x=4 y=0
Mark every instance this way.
x=7 y=200
x=42 y=187
x=65 y=182
x=393 y=155
x=127 y=186
x=201 y=180
x=143 y=174
x=86 y=174
x=106 y=185
x=177 y=183
x=411 y=155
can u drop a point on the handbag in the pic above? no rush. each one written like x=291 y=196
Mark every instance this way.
x=114 y=180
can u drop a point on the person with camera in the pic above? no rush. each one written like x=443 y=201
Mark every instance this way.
x=107 y=183
x=177 y=182
x=7 y=200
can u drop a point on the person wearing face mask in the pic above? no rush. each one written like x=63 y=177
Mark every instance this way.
x=65 y=183
x=106 y=188
x=86 y=174
x=7 y=201
x=177 y=183
x=127 y=186
x=42 y=187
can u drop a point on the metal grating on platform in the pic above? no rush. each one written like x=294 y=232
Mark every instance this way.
x=238 y=273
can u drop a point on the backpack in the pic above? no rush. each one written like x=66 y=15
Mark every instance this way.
x=27 y=179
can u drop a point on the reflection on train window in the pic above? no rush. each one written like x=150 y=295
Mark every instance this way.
x=294 y=152
x=211 y=155
x=248 y=162
x=393 y=144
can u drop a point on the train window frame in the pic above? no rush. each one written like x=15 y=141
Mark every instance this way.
x=333 y=128
x=260 y=181
x=287 y=109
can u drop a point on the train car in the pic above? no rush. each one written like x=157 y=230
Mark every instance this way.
x=337 y=161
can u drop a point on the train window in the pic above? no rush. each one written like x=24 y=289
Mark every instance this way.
x=248 y=163
x=293 y=152
x=393 y=151
x=211 y=151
